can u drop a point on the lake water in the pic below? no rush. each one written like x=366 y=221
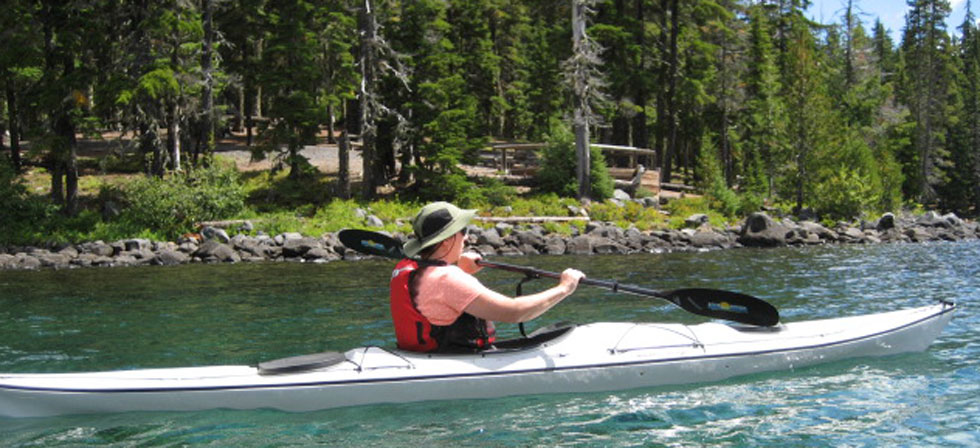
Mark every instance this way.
x=127 y=318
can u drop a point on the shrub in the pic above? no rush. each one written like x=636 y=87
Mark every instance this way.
x=172 y=205
x=558 y=167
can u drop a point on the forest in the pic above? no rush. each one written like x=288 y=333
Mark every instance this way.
x=751 y=100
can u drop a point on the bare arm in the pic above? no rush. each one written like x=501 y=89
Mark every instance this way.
x=491 y=305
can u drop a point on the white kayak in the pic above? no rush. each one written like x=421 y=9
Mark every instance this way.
x=585 y=358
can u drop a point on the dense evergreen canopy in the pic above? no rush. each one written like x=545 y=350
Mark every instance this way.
x=749 y=97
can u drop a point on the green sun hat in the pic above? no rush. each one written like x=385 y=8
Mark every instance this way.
x=435 y=223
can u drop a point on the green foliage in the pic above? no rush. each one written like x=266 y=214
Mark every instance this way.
x=627 y=215
x=680 y=209
x=845 y=194
x=712 y=181
x=23 y=213
x=172 y=205
x=559 y=166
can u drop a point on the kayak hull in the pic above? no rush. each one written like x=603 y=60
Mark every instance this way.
x=588 y=358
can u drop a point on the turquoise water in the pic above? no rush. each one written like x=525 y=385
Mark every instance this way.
x=99 y=319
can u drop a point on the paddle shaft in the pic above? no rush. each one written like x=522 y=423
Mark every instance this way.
x=608 y=284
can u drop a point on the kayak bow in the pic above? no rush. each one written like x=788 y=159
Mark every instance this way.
x=586 y=358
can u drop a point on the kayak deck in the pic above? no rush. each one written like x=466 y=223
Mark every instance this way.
x=593 y=357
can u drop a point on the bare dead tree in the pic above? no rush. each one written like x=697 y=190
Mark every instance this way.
x=583 y=76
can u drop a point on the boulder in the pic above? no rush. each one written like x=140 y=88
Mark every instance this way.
x=319 y=253
x=886 y=222
x=759 y=230
x=96 y=248
x=708 y=238
x=920 y=234
x=215 y=233
x=579 y=245
x=374 y=221
x=696 y=220
x=819 y=230
x=607 y=246
x=952 y=220
x=490 y=237
x=932 y=219
x=621 y=195
x=212 y=251
x=297 y=247
x=169 y=257
x=554 y=245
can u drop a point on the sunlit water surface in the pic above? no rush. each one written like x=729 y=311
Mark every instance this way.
x=127 y=318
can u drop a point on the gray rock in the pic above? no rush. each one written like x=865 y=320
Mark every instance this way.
x=606 y=246
x=170 y=257
x=212 y=251
x=886 y=222
x=246 y=227
x=759 y=230
x=527 y=249
x=319 y=253
x=69 y=251
x=621 y=195
x=709 y=239
x=490 y=237
x=25 y=261
x=215 y=233
x=298 y=247
x=97 y=248
x=530 y=238
x=953 y=220
x=374 y=221
x=818 y=229
x=57 y=261
x=920 y=234
x=851 y=235
x=554 y=245
x=579 y=245
x=136 y=244
x=696 y=220
x=932 y=219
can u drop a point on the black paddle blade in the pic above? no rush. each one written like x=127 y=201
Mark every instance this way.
x=371 y=243
x=727 y=305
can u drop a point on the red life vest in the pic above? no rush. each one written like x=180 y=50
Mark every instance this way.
x=415 y=333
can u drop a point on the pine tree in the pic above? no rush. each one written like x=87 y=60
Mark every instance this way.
x=764 y=138
x=290 y=77
x=809 y=106
x=963 y=190
x=925 y=84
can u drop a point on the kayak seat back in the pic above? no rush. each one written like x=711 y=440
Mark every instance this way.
x=536 y=338
x=302 y=363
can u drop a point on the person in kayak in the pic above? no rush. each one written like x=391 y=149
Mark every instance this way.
x=438 y=305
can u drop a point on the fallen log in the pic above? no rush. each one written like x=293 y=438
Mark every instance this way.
x=531 y=218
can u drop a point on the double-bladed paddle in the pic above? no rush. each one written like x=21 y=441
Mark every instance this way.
x=713 y=303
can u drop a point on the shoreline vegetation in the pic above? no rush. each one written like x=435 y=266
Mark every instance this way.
x=116 y=141
x=239 y=243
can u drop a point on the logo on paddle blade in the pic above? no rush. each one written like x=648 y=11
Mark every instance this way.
x=373 y=245
x=725 y=306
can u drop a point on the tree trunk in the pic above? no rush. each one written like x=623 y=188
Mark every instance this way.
x=368 y=36
x=343 y=174
x=14 y=123
x=331 y=117
x=207 y=102
x=248 y=101
x=173 y=136
x=580 y=124
x=670 y=149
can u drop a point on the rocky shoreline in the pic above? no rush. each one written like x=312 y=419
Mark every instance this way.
x=758 y=230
